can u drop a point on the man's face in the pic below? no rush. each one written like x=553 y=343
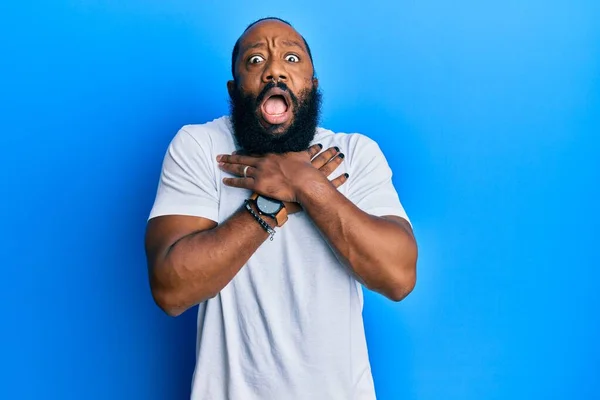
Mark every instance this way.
x=274 y=99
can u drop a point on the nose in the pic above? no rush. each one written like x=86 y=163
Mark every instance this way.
x=274 y=71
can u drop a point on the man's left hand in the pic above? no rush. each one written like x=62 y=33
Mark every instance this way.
x=326 y=162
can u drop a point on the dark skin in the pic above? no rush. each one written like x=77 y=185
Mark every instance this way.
x=192 y=259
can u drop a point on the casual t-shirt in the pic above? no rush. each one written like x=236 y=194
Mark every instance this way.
x=289 y=325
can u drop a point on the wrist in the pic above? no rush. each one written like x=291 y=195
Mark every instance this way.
x=263 y=222
x=268 y=219
x=312 y=186
x=269 y=207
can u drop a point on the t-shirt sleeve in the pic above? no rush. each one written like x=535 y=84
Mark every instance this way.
x=370 y=182
x=187 y=184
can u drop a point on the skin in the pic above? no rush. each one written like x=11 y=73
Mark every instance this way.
x=191 y=259
x=272 y=50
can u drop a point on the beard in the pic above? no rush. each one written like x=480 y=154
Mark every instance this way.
x=253 y=138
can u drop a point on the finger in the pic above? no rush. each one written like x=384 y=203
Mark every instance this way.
x=332 y=165
x=238 y=169
x=340 y=180
x=314 y=150
x=242 y=183
x=324 y=157
x=243 y=153
x=237 y=159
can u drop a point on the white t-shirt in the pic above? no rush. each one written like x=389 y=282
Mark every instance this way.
x=289 y=325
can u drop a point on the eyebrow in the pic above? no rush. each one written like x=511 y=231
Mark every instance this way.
x=293 y=43
x=256 y=45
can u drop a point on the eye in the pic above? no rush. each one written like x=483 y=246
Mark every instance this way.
x=292 y=58
x=256 y=59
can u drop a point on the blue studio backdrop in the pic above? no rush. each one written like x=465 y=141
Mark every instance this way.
x=489 y=114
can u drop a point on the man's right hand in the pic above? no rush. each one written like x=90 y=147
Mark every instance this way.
x=326 y=162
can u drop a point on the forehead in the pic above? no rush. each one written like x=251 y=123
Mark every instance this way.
x=270 y=30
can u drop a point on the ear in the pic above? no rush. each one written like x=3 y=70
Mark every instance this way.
x=230 y=88
x=315 y=82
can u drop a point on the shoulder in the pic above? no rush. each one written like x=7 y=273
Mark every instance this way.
x=207 y=134
x=354 y=145
x=204 y=140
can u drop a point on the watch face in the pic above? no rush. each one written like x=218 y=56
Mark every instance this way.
x=268 y=206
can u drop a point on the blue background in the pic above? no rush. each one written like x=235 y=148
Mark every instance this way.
x=489 y=114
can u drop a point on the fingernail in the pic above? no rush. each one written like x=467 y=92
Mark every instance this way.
x=346 y=175
x=341 y=155
x=219 y=157
x=337 y=149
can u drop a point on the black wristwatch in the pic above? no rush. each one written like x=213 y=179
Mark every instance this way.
x=270 y=207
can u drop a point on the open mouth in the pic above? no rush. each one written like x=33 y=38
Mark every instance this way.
x=276 y=108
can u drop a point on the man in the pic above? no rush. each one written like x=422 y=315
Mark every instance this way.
x=271 y=224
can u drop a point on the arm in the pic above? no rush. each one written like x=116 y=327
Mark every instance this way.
x=379 y=248
x=368 y=228
x=381 y=251
x=191 y=259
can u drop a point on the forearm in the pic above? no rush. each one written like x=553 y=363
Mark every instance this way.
x=201 y=264
x=381 y=253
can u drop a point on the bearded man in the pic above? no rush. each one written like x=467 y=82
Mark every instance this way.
x=272 y=225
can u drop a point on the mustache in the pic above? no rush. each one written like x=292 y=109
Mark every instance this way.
x=279 y=85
